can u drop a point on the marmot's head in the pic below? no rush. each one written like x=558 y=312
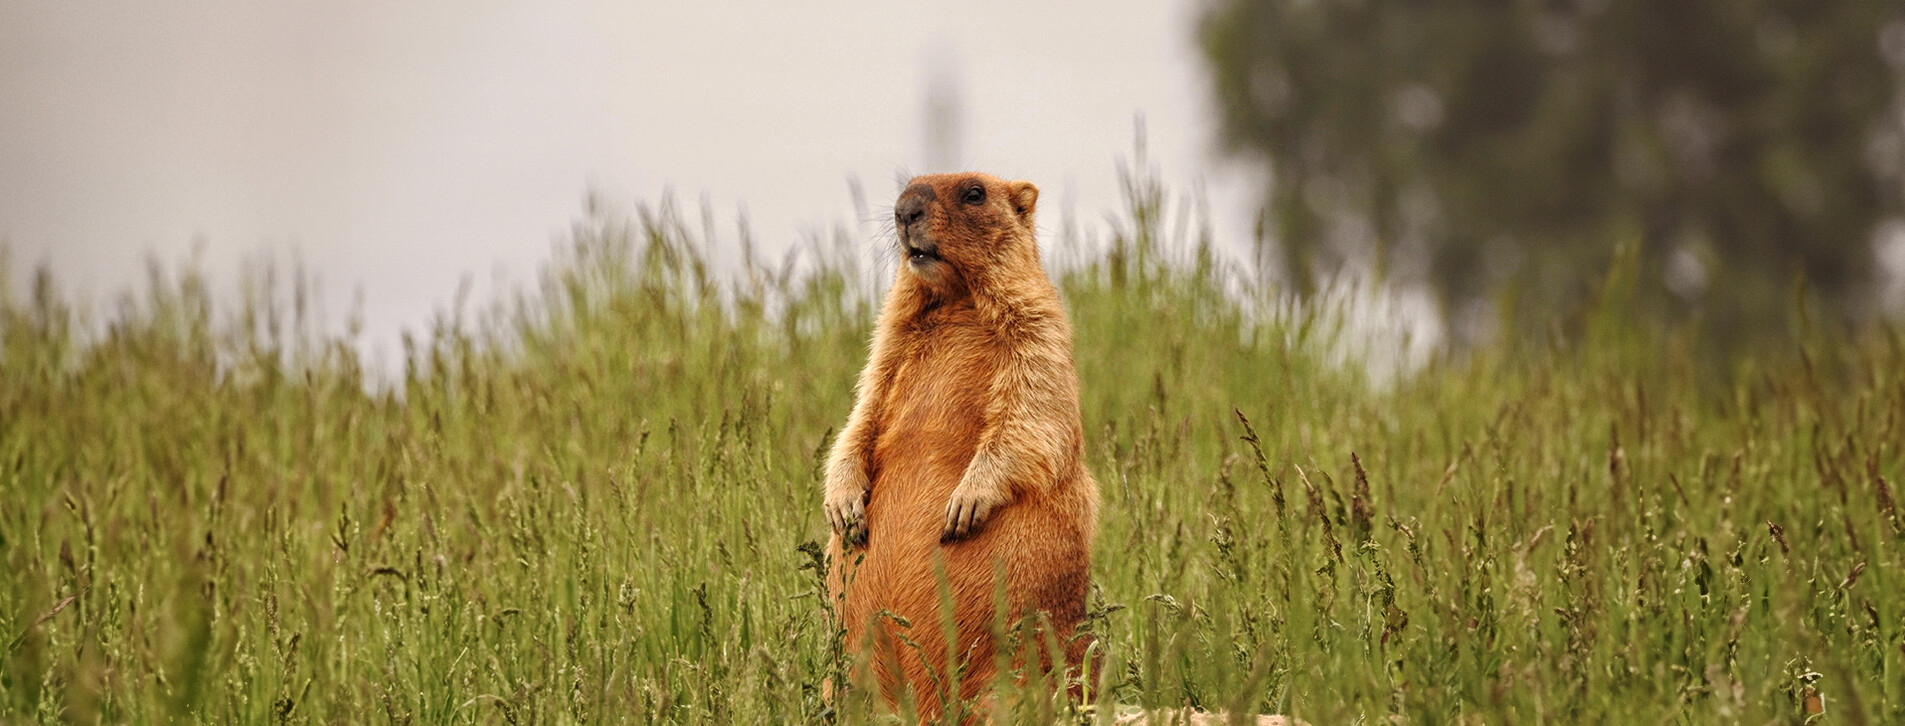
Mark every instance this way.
x=953 y=228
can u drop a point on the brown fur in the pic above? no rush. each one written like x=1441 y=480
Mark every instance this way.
x=963 y=448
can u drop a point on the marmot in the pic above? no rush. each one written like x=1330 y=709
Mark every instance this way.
x=964 y=447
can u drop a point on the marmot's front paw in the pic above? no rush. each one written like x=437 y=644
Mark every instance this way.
x=966 y=509
x=847 y=512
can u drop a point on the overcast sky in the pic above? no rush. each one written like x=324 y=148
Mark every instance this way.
x=402 y=147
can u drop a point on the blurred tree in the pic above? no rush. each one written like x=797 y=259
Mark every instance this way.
x=1499 y=150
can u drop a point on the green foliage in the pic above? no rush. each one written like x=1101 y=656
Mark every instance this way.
x=1499 y=150
x=601 y=504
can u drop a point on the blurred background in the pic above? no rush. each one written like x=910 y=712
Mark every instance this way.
x=1483 y=162
x=401 y=148
x=1744 y=155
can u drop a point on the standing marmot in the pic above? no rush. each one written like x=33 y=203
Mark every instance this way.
x=964 y=445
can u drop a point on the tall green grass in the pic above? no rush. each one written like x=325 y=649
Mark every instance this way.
x=597 y=502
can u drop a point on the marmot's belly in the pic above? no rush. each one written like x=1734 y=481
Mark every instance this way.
x=1037 y=547
x=929 y=436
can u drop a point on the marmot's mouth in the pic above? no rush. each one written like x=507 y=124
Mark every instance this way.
x=919 y=256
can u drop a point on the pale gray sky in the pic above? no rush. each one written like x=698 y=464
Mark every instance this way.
x=404 y=146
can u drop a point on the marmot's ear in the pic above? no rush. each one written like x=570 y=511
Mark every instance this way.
x=1024 y=199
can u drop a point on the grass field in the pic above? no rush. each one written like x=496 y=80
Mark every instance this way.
x=599 y=503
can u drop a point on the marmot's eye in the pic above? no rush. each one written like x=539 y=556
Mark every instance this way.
x=975 y=195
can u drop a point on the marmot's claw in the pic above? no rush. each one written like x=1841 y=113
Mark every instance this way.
x=848 y=516
x=965 y=511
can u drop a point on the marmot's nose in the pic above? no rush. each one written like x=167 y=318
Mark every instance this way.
x=912 y=205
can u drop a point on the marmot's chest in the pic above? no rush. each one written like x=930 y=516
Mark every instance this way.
x=937 y=400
